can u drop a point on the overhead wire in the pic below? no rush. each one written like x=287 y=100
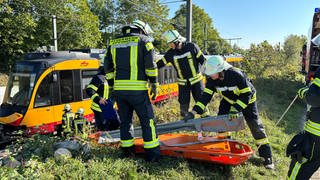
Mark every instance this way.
x=172 y=2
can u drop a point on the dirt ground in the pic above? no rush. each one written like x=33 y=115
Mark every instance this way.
x=3 y=79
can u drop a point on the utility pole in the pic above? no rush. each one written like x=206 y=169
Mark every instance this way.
x=54 y=27
x=189 y=20
x=205 y=37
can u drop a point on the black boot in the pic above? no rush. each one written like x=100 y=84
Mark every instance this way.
x=268 y=163
x=153 y=154
x=265 y=152
x=128 y=152
x=184 y=109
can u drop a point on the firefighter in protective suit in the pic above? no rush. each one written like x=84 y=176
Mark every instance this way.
x=187 y=58
x=238 y=95
x=67 y=119
x=130 y=66
x=99 y=91
x=80 y=122
x=304 y=148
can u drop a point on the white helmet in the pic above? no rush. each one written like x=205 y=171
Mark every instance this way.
x=80 y=111
x=173 y=36
x=216 y=64
x=67 y=107
x=143 y=26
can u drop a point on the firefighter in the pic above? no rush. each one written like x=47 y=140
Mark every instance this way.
x=187 y=58
x=98 y=90
x=67 y=119
x=304 y=148
x=238 y=95
x=80 y=122
x=130 y=64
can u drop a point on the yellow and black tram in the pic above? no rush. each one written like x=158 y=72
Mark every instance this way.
x=39 y=87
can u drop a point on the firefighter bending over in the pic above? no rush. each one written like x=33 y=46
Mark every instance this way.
x=238 y=95
x=98 y=90
x=130 y=64
x=304 y=148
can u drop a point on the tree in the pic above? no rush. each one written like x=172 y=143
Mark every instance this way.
x=266 y=61
x=106 y=12
x=27 y=25
x=200 y=24
x=77 y=27
x=123 y=12
x=292 y=47
x=262 y=60
x=17 y=29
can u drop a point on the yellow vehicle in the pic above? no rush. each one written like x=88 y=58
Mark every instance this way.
x=39 y=87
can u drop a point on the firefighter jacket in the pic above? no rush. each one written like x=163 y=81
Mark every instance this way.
x=130 y=63
x=313 y=99
x=98 y=88
x=79 y=123
x=186 y=61
x=235 y=88
x=67 y=121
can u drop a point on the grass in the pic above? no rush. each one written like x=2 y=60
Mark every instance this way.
x=105 y=163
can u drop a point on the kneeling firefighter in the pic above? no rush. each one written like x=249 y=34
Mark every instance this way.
x=304 y=148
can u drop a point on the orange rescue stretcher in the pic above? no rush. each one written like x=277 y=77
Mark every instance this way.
x=210 y=149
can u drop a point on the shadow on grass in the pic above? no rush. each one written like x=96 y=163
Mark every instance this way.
x=274 y=96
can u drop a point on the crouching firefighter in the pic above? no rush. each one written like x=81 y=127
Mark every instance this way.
x=130 y=60
x=99 y=91
x=238 y=95
x=304 y=148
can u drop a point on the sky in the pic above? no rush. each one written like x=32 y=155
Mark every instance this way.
x=256 y=20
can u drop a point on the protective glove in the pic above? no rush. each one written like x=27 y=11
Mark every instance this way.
x=190 y=115
x=206 y=113
x=302 y=92
x=154 y=90
x=233 y=113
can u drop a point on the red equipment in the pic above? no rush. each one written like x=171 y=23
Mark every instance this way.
x=210 y=149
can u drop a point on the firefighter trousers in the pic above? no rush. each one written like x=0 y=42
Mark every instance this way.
x=184 y=95
x=311 y=161
x=99 y=119
x=251 y=115
x=140 y=103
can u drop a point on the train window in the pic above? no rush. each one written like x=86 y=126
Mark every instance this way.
x=86 y=78
x=43 y=95
x=160 y=76
x=66 y=86
x=165 y=76
x=171 y=75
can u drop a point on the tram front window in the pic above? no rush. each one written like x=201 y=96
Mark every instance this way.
x=21 y=84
